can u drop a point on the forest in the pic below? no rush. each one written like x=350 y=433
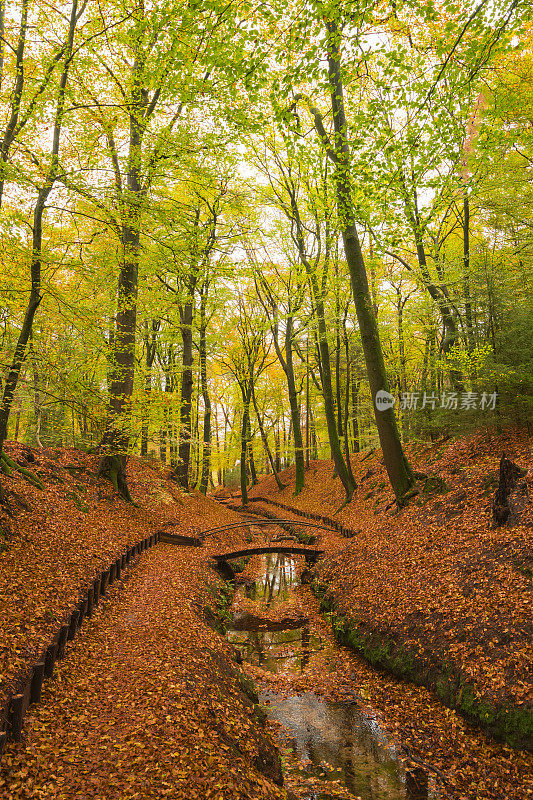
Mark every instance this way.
x=266 y=399
x=226 y=227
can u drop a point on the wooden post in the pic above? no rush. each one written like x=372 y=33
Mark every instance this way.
x=73 y=624
x=104 y=581
x=49 y=659
x=111 y=571
x=82 y=609
x=61 y=641
x=37 y=682
x=96 y=591
x=16 y=715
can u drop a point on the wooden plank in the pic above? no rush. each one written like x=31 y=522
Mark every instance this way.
x=50 y=659
x=18 y=706
x=61 y=641
x=16 y=715
x=37 y=682
x=104 y=580
x=287 y=550
x=175 y=538
x=73 y=624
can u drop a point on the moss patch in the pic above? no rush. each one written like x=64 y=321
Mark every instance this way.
x=512 y=724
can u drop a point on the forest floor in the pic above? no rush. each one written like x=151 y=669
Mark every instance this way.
x=438 y=588
x=148 y=703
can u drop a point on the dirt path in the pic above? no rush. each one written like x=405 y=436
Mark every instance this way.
x=143 y=706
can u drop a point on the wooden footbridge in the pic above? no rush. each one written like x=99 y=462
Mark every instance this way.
x=311 y=555
x=259 y=523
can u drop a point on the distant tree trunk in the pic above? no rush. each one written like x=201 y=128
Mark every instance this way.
x=355 y=412
x=251 y=459
x=466 y=274
x=286 y=360
x=245 y=427
x=324 y=353
x=264 y=438
x=150 y=351
x=347 y=409
x=206 y=449
x=307 y=414
x=277 y=453
x=184 y=451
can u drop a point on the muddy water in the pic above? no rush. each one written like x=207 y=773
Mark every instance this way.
x=335 y=749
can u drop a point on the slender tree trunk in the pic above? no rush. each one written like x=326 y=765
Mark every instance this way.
x=466 y=274
x=295 y=410
x=307 y=438
x=264 y=438
x=355 y=412
x=246 y=393
x=182 y=468
x=150 y=348
x=251 y=459
x=206 y=449
x=398 y=468
x=115 y=443
x=324 y=356
x=277 y=453
x=36 y=259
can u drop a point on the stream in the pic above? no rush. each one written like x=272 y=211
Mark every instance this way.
x=333 y=748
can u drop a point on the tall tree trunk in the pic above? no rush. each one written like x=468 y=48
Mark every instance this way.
x=466 y=274
x=182 y=468
x=115 y=442
x=246 y=393
x=264 y=438
x=307 y=438
x=277 y=447
x=398 y=468
x=324 y=354
x=150 y=351
x=251 y=459
x=42 y=196
x=206 y=448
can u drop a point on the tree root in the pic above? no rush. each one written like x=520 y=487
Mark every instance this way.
x=347 y=501
x=112 y=468
x=7 y=465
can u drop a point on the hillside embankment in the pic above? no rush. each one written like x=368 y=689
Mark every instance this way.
x=435 y=593
x=147 y=701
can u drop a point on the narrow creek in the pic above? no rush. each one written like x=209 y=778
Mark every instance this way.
x=332 y=749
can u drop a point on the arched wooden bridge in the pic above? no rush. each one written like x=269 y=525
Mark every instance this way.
x=260 y=522
x=311 y=555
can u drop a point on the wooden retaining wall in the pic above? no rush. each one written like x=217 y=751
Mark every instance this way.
x=30 y=683
x=333 y=523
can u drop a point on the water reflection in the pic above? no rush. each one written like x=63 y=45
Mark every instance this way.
x=276 y=582
x=335 y=744
x=335 y=741
x=276 y=650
